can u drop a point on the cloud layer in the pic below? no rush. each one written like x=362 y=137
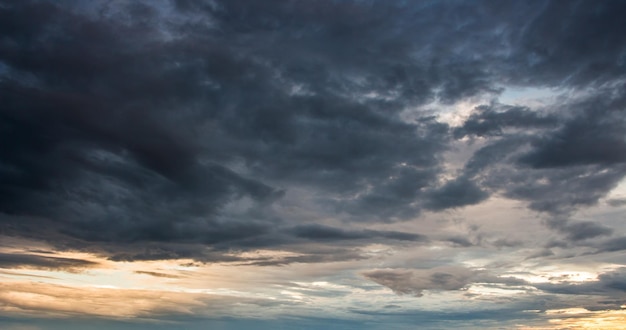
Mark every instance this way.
x=317 y=133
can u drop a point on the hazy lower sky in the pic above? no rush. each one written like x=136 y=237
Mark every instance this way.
x=312 y=164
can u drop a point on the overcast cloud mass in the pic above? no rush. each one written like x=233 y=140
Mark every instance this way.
x=242 y=164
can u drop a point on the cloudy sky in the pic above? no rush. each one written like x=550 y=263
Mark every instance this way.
x=312 y=164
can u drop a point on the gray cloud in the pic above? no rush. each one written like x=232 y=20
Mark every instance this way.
x=594 y=136
x=456 y=193
x=127 y=146
x=492 y=120
x=460 y=241
x=157 y=274
x=411 y=281
x=22 y=260
x=579 y=230
x=611 y=245
x=617 y=202
x=587 y=52
x=505 y=242
x=153 y=130
x=326 y=233
x=571 y=162
x=209 y=130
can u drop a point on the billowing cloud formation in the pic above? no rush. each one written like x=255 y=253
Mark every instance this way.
x=355 y=135
x=188 y=122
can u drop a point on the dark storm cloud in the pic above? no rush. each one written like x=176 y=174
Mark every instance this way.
x=89 y=142
x=575 y=151
x=574 y=44
x=594 y=137
x=580 y=139
x=564 y=190
x=118 y=134
x=184 y=124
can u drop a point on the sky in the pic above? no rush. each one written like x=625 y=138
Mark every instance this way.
x=325 y=164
